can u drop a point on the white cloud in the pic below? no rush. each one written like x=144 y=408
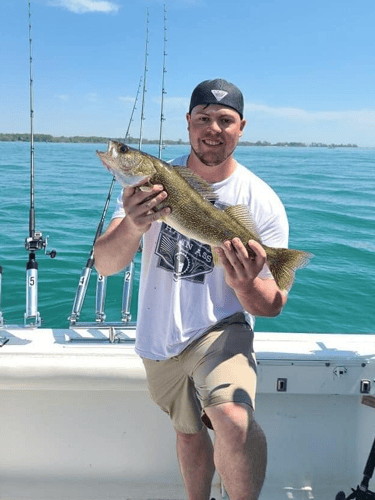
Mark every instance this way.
x=84 y=6
x=276 y=111
x=182 y=3
x=127 y=99
x=175 y=107
x=274 y=124
x=177 y=102
x=92 y=97
x=63 y=97
x=358 y=116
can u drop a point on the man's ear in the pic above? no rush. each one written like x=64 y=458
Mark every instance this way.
x=242 y=126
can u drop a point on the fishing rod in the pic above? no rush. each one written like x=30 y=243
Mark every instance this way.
x=86 y=271
x=163 y=92
x=101 y=285
x=130 y=268
x=35 y=240
x=101 y=281
x=144 y=85
x=3 y=340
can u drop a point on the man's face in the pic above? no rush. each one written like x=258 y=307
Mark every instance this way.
x=214 y=131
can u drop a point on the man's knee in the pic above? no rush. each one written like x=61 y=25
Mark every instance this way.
x=191 y=439
x=233 y=419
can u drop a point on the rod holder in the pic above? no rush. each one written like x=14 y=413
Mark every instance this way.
x=127 y=293
x=80 y=294
x=101 y=292
x=32 y=316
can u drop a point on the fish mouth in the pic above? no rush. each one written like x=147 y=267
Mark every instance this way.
x=104 y=157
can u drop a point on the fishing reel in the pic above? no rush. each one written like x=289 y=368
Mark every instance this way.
x=37 y=242
x=362 y=492
x=359 y=494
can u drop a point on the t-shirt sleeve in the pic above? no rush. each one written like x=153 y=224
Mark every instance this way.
x=119 y=208
x=273 y=227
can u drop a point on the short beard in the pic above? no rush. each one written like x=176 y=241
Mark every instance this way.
x=212 y=159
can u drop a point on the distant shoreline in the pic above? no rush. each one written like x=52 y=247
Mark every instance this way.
x=133 y=140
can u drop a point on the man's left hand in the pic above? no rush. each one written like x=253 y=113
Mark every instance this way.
x=240 y=266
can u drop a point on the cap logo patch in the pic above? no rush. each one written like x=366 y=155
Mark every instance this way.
x=219 y=94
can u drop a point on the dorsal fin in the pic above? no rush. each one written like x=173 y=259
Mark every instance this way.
x=197 y=183
x=242 y=214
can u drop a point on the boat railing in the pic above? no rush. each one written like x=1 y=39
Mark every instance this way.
x=109 y=332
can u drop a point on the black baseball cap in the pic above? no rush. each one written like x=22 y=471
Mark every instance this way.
x=217 y=91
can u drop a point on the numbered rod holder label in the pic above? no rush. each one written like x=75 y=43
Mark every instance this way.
x=32 y=316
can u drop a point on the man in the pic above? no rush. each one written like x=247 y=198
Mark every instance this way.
x=195 y=320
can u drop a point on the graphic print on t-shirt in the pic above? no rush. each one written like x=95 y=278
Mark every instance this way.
x=185 y=258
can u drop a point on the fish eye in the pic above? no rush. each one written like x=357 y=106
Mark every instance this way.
x=124 y=149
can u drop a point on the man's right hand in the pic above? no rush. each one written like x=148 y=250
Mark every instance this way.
x=117 y=246
x=139 y=205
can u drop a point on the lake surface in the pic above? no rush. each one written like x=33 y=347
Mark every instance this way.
x=329 y=195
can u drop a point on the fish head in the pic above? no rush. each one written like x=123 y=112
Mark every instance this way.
x=128 y=165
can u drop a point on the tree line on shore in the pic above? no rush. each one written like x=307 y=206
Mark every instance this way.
x=79 y=139
x=133 y=140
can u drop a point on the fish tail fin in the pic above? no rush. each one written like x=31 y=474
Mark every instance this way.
x=284 y=262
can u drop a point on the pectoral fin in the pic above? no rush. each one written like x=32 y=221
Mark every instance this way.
x=215 y=257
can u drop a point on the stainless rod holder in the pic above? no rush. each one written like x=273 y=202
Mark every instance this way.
x=32 y=316
x=80 y=294
x=101 y=292
x=127 y=292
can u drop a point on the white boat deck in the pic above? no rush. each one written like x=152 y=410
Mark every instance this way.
x=77 y=421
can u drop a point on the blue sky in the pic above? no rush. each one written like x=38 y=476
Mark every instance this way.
x=306 y=69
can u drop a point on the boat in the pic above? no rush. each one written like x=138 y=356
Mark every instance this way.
x=77 y=420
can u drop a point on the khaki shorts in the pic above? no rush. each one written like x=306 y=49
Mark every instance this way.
x=219 y=367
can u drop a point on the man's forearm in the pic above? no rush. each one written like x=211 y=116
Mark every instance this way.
x=116 y=248
x=263 y=298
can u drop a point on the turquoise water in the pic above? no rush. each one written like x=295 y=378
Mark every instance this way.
x=329 y=195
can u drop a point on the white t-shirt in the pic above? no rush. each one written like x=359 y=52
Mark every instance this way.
x=181 y=292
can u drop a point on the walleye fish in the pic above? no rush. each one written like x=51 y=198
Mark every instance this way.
x=192 y=211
